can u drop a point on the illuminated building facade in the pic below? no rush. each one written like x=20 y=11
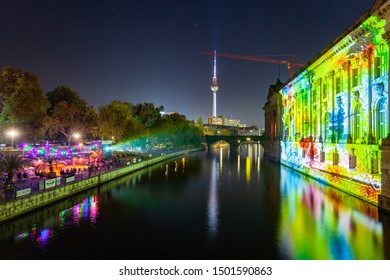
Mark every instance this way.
x=331 y=119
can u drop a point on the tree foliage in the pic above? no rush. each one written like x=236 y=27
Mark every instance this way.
x=23 y=103
x=117 y=120
x=68 y=114
x=176 y=130
x=148 y=115
x=62 y=112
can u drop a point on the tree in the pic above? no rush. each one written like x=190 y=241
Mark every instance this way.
x=68 y=114
x=50 y=160
x=176 y=130
x=117 y=120
x=10 y=163
x=23 y=103
x=200 y=123
x=148 y=115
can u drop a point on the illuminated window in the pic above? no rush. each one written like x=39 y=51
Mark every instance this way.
x=306 y=123
x=339 y=86
x=314 y=96
x=377 y=67
x=356 y=80
x=298 y=124
x=381 y=119
x=326 y=121
x=325 y=91
x=358 y=128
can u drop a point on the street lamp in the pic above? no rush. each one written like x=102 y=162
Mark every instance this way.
x=12 y=133
x=76 y=136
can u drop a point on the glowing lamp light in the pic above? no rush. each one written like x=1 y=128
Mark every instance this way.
x=12 y=133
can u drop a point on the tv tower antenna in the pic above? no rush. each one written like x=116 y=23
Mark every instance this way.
x=214 y=85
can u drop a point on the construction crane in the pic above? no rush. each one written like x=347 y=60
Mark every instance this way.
x=290 y=64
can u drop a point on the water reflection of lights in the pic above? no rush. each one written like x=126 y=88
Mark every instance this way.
x=87 y=210
x=313 y=216
x=238 y=165
x=257 y=158
x=183 y=162
x=221 y=158
x=44 y=237
x=213 y=206
x=248 y=169
x=177 y=165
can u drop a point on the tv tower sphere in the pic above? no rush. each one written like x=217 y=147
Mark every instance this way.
x=214 y=85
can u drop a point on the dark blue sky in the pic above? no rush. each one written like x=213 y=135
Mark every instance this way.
x=148 y=50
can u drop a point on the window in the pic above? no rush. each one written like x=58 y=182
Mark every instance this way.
x=339 y=86
x=355 y=77
x=377 y=67
x=325 y=91
x=326 y=122
x=314 y=96
x=298 y=123
x=381 y=119
x=315 y=124
x=358 y=129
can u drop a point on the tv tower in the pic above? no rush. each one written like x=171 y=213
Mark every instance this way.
x=214 y=86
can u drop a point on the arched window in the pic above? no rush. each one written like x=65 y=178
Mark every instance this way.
x=381 y=118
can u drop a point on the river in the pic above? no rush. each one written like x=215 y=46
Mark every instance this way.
x=207 y=205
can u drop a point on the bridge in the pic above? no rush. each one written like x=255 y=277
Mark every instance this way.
x=234 y=141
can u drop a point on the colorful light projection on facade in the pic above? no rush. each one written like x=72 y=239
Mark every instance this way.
x=318 y=223
x=335 y=112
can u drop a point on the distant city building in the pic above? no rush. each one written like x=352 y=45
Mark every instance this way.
x=222 y=121
x=170 y=113
x=251 y=131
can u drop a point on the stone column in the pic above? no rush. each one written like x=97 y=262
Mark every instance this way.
x=384 y=197
x=310 y=95
x=370 y=138
x=302 y=114
x=332 y=91
x=347 y=67
x=386 y=141
x=321 y=125
x=279 y=119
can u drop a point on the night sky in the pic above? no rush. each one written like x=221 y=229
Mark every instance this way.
x=148 y=50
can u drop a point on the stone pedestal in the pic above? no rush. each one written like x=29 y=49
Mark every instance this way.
x=384 y=197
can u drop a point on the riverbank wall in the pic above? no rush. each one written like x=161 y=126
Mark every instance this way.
x=21 y=206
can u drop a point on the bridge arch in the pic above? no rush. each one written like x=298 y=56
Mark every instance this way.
x=233 y=141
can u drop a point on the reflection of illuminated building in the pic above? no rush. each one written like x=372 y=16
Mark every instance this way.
x=330 y=119
x=336 y=230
